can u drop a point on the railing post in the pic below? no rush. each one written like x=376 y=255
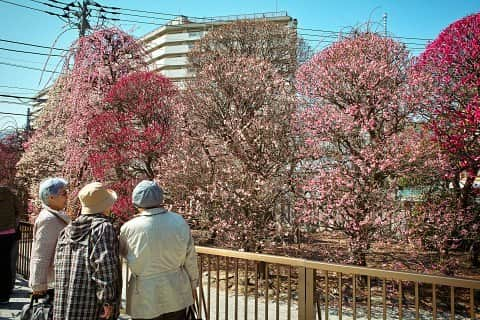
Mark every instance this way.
x=306 y=288
x=24 y=249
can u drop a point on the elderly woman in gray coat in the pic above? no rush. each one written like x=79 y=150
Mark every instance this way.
x=161 y=255
x=51 y=220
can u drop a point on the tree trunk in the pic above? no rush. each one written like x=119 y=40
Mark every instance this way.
x=474 y=254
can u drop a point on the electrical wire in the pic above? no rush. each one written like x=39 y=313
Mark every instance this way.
x=50 y=64
x=35 y=9
x=30 y=52
x=14 y=114
x=22 y=97
x=27 y=67
x=149 y=12
x=322 y=33
x=19 y=88
x=31 y=44
x=339 y=32
x=52 y=5
x=60 y=2
x=329 y=33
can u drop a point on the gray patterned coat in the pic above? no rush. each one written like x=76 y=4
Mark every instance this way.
x=87 y=269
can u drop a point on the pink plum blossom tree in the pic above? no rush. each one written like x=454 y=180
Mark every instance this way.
x=359 y=137
x=44 y=154
x=237 y=157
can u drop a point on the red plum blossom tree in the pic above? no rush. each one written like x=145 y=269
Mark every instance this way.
x=132 y=133
x=449 y=73
x=100 y=60
x=447 y=78
x=11 y=150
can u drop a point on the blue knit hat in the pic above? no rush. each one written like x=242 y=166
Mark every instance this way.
x=147 y=194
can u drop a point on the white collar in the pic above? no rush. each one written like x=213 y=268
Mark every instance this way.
x=51 y=210
x=152 y=211
x=59 y=213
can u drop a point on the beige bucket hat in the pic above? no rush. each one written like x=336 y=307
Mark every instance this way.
x=95 y=198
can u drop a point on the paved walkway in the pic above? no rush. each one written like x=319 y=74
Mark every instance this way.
x=20 y=297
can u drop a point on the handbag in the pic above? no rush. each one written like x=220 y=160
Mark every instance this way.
x=193 y=310
x=192 y=313
x=37 y=309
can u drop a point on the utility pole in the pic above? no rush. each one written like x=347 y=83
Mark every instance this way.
x=385 y=24
x=79 y=13
x=27 y=125
x=83 y=24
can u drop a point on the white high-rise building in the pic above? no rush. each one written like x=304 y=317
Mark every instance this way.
x=169 y=45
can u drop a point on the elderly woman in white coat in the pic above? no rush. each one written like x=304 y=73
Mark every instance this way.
x=159 y=248
x=51 y=220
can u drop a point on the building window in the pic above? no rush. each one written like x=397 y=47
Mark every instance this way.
x=195 y=34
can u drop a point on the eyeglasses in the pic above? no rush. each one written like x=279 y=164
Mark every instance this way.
x=64 y=193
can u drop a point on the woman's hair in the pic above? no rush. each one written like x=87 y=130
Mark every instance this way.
x=50 y=187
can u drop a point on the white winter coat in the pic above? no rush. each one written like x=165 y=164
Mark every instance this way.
x=46 y=229
x=161 y=255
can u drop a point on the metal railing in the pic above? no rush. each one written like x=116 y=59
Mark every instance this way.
x=25 y=249
x=273 y=287
x=242 y=285
x=249 y=16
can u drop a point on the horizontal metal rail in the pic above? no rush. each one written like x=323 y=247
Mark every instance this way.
x=276 y=286
x=244 y=285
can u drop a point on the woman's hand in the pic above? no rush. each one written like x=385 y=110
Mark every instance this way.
x=107 y=311
x=39 y=293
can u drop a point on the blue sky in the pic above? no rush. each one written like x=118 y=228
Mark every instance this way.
x=422 y=19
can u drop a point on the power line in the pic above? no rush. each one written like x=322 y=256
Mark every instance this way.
x=27 y=67
x=20 y=88
x=51 y=64
x=136 y=21
x=150 y=12
x=31 y=44
x=16 y=103
x=143 y=16
x=340 y=32
x=331 y=32
x=15 y=92
x=331 y=36
x=54 y=6
x=14 y=114
x=22 y=97
x=322 y=32
x=59 y=2
x=35 y=9
x=31 y=52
